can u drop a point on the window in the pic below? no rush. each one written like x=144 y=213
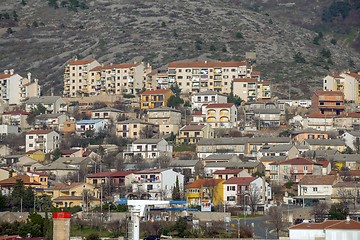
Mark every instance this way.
x=315 y=189
x=244 y=85
x=31 y=137
x=230 y=198
x=149 y=187
x=305 y=168
x=230 y=188
x=135 y=126
x=31 y=145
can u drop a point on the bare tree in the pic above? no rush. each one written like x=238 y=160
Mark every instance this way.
x=275 y=219
x=320 y=211
x=163 y=161
x=345 y=174
x=147 y=132
x=346 y=197
x=254 y=197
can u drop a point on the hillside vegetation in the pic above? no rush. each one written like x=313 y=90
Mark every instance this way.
x=293 y=42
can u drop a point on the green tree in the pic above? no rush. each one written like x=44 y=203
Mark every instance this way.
x=39 y=109
x=325 y=53
x=174 y=101
x=3 y=202
x=348 y=150
x=35 y=24
x=15 y=16
x=175 y=89
x=176 y=195
x=53 y=3
x=17 y=195
x=338 y=211
x=298 y=58
x=56 y=154
x=43 y=203
x=212 y=48
x=23 y=2
x=239 y=35
x=9 y=31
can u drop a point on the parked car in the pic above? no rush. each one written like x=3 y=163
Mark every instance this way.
x=152 y=237
x=298 y=220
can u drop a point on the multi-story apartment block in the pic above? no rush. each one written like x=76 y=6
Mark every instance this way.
x=155 y=98
x=132 y=128
x=221 y=115
x=16 y=118
x=43 y=140
x=158 y=78
x=251 y=89
x=76 y=77
x=206 y=97
x=346 y=82
x=52 y=104
x=168 y=119
x=195 y=77
x=87 y=77
x=328 y=102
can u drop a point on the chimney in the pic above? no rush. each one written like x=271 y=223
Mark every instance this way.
x=29 y=76
x=205 y=61
x=11 y=71
x=347 y=219
x=6 y=71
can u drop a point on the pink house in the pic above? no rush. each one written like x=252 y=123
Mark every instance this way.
x=293 y=169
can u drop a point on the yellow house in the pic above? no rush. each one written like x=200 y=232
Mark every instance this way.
x=37 y=155
x=75 y=194
x=39 y=177
x=324 y=144
x=205 y=189
x=194 y=132
x=155 y=98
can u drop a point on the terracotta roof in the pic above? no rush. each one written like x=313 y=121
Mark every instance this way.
x=318 y=180
x=156 y=91
x=204 y=183
x=255 y=73
x=228 y=171
x=329 y=93
x=354 y=172
x=316 y=115
x=245 y=80
x=350 y=115
x=240 y=180
x=68 y=151
x=63 y=186
x=197 y=113
x=115 y=66
x=322 y=225
x=295 y=161
x=354 y=75
x=324 y=163
x=16 y=112
x=39 y=131
x=81 y=61
x=205 y=64
x=346 y=185
x=220 y=105
x=28 y=84
x=334 y=75
x=2 y=75
x=110 y=174
x=344 y=224
x=24 y=178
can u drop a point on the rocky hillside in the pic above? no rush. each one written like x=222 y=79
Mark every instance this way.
x=40 y=38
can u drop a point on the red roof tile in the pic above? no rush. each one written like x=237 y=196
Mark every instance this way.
x=156 y=91
x=81 y=61
x=204 y=183
x=334 y=75
x=115 y=66
x=344 y=224
x=3 y=76
x=205 y=64
x=12 y=181
x=295 y=161
x=322 y=225
x=17 y=112
x=329 y=93
x=318 y=180
x=244 y=181
x=220 y=105
x=245 y=80
x=354 y=75
x=324 y=163
x=110 y=174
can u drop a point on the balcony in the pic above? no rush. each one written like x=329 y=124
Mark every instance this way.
x=40 y=140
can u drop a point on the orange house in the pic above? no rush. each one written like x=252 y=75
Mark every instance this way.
x=68 y=127
x=328 y=102
x=155 y=98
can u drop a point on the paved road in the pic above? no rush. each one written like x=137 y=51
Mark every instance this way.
x=260 y=227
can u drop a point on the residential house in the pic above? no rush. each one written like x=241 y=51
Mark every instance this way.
x=41 y=178
x=352 y=140
x=293 y=170
x=65 y=166
x=326 y=166
x=319 y=122
x=330 y=103
x=267 y=118
x=73 y=152
x=11 y=87
x=252 y=89
x=229 y=173
x=346 y=192
x=5 y=174
x=16 y=118
x=5 y=150
x=68 y=127
x=288 y=150
x=74 y=194
x=188 y=168
x=52 y=104
x=29 y=88
x=300 y=135
x=8 y=184
x=206 y=147
x=192 y=133
x=240 y=191
x=76 y=77
x=107 y=113
x=256 y=143
x=205 y=189
x=267 y=160
x=349 y=121
x=168 y=119
x=206 y=97
x=50 y=121
x=9 y=129
x=327 y=230
x=150 y=148
x=155 y=98
x=322 y=144
x=345 y=161
x=313 y=188
x=37 y=155
x=133 y=128
x=346 y=82
x=221 y=115
x=156 y=183
x=194 y=77
x=24 y=164
x=92 y=126
x=43 y=140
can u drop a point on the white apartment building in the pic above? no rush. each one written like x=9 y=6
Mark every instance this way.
x=206 y=97
x=29 y=88
x=90 y=78
x=168 y=119
x=43 y=140
x=156 y=183
x=221 y=115
x=150 y=148
x=346 y=82
x=10 y=87
x=76 y=77
x=194 y=77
